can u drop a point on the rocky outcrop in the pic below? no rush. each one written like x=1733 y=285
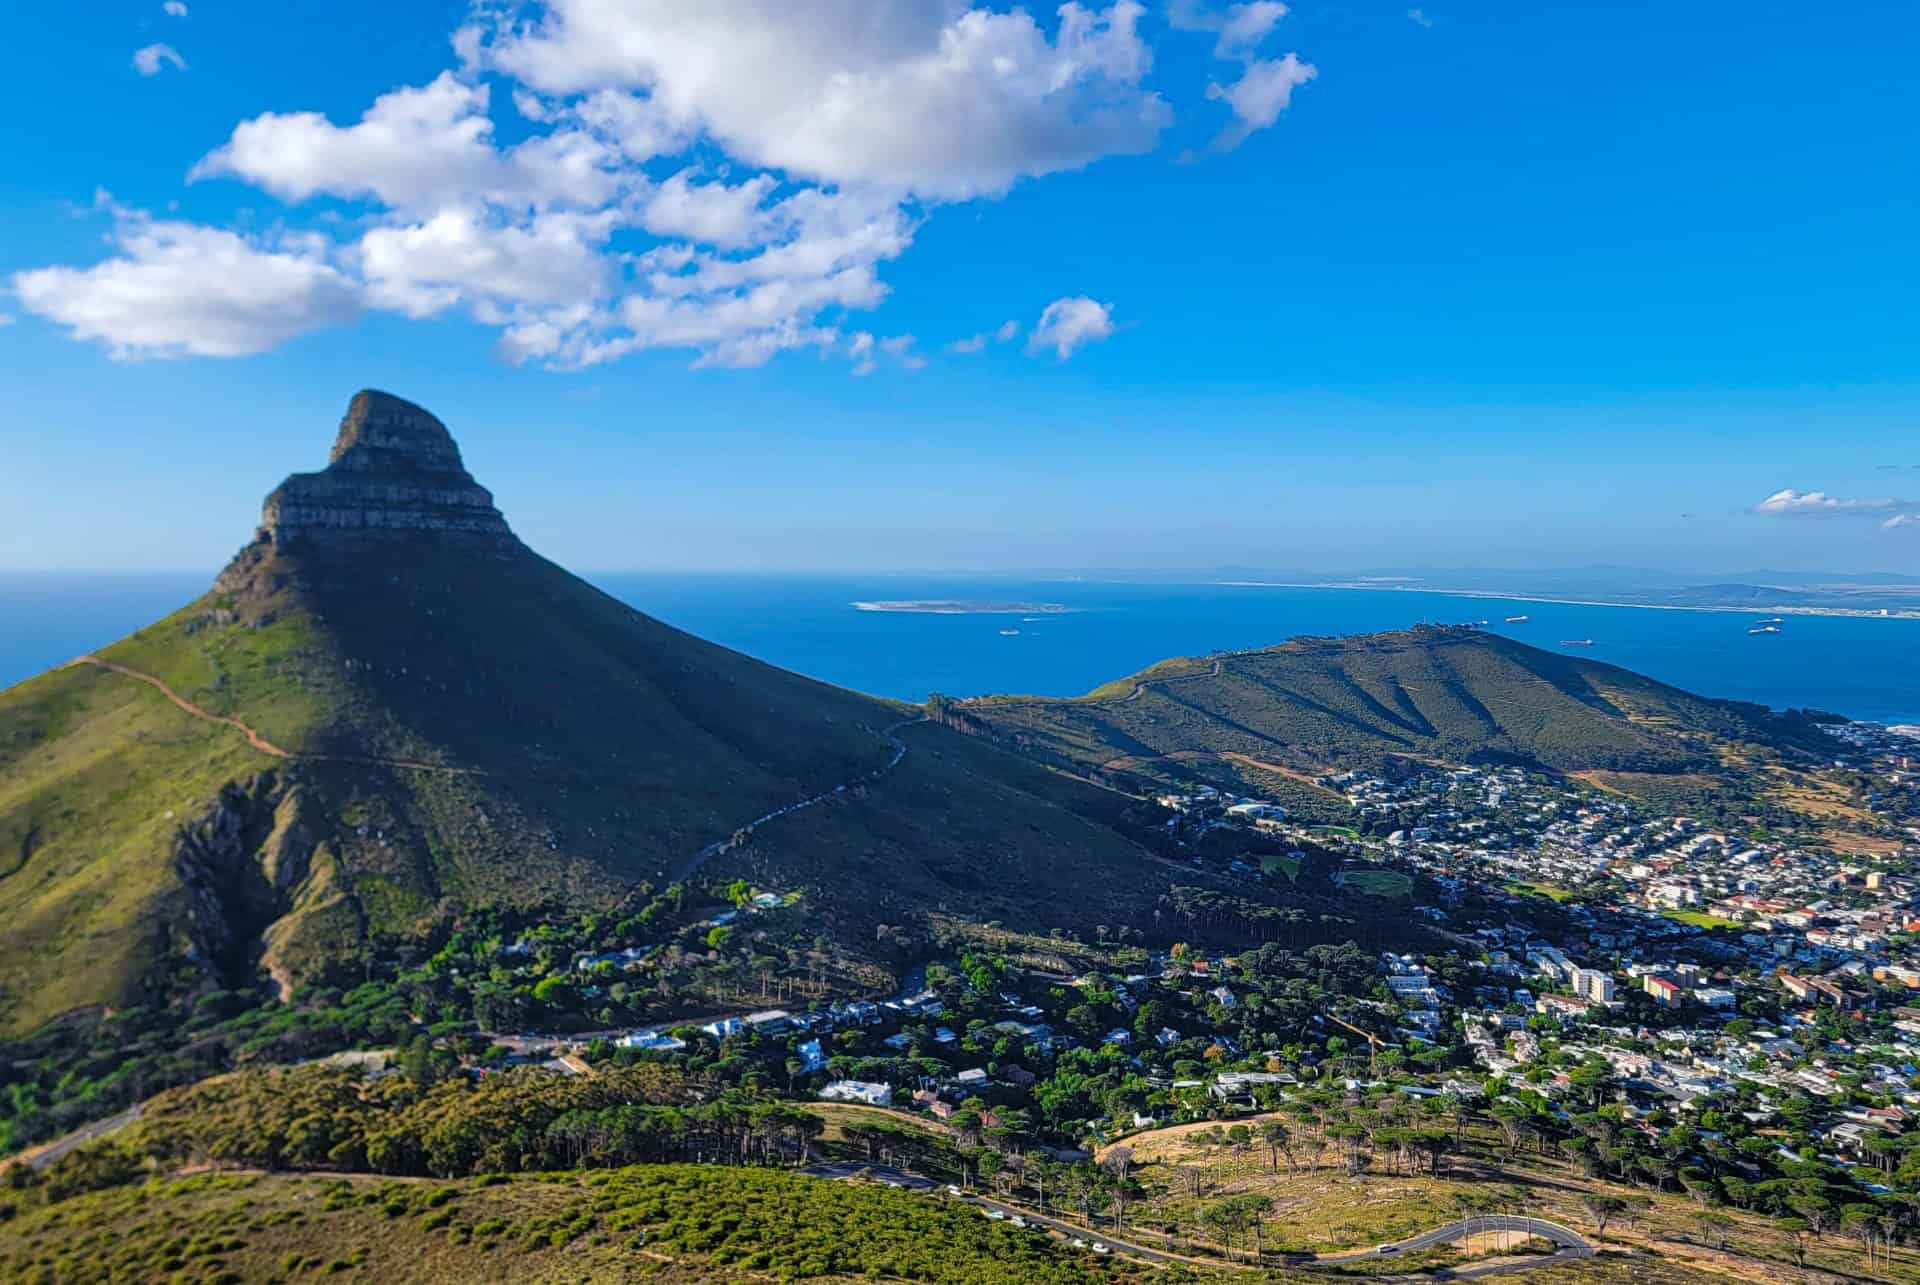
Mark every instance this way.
x=254 y=868
x=395 y=471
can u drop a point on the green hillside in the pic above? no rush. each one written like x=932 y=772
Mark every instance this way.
x=668 y=1223
x=426 y=719
x=1446 y=695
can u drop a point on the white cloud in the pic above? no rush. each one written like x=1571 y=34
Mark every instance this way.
x=922 y=96
x=416 y=148
x=1245 y=26
x=460 y=256
x=6 y=319
x=178 y=289
x=1899 y=520
x=866 y=352
x=1239 y=27
x=1006 y=332
x=714 y=213
x=174 y=9
x=154 y=59
x=1258 y=97
x=803 y=147
x=1792 y=503
x=1419 y=17
x=900 y=348
x=1067 y=324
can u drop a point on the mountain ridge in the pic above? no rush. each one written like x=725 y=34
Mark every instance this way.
x=437 y=719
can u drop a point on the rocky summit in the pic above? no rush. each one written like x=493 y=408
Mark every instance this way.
x=394 y=469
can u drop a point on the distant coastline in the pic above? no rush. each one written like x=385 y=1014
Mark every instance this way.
x=952 y=607
x=1788 y=609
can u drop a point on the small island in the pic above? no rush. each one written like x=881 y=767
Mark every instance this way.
x=953 y=607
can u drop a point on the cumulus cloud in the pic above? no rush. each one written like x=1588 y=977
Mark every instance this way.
x=1263 y=91
x=1419 y=18
x=461 y=256
x=151 y=60
x=727 y=179
x=729 y=217
x=178 y=289
x=1068 y=324
x=971 y=344
x=174 y=9
x=1792 y=503
x=924 y=96
x=416 y=148
x=1899 y=520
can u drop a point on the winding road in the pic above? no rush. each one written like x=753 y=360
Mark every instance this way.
x=44 y=1155
x=1571 y=1244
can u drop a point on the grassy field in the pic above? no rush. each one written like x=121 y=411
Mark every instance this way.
x=1390 y=884
x=1700 y=919
x=1550 y=891
x=1271 y=863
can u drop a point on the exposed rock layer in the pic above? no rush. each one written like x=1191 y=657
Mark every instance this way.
x=394 y=470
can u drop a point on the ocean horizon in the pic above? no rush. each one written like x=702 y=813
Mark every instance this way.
x=1065 y=636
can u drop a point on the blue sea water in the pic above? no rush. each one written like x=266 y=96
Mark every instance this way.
x=1864 y=668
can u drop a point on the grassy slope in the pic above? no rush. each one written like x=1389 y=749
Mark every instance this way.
x=670 y=1224
x=665 y=1223
x=585 y=747
x=96 y=774
x=1443 y=694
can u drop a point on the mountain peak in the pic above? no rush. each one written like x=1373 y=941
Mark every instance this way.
x=382 y=433
x=395 y=470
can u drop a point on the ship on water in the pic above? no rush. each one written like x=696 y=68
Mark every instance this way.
x=1576 y=642
x=1764 y=629
x=1518 y=620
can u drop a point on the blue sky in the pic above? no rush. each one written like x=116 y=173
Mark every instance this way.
x=1343 y=285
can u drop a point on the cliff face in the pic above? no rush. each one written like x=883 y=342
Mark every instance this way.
x=394 y=469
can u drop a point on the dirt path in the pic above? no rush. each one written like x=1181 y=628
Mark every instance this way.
x=689 y=867
x=1176 y=678
x=254 y=738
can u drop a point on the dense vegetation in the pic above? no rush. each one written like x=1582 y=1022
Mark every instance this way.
x=670 y=1223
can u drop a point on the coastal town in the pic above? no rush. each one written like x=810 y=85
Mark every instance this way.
x=1586 y=954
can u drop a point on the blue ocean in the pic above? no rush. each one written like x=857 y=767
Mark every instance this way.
x=1864 y=668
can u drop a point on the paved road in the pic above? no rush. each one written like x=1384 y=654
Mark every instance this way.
x=879 y=1173
x=79 y=1138
x=1572 y=1245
